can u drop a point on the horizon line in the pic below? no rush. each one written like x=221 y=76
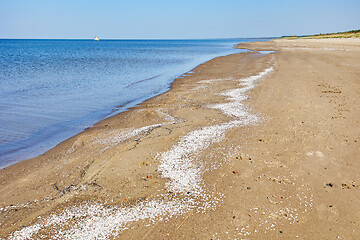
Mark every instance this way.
x=137 y=38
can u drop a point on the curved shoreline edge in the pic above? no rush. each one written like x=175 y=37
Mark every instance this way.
x=64 y=132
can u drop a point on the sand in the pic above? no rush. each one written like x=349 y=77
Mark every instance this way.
x=249 y=146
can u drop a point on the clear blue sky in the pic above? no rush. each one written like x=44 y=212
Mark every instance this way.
x=174 y=18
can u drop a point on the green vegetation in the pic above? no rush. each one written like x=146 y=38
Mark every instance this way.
x=348 y=34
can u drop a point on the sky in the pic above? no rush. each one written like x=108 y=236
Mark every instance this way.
x=174 y=19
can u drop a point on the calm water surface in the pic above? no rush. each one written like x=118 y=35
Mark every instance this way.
x=51 y=90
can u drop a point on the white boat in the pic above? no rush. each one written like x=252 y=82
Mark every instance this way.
x=96 y=39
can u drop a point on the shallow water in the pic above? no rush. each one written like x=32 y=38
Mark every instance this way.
x=53 y=89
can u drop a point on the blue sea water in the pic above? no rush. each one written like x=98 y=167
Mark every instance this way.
x=51 y=90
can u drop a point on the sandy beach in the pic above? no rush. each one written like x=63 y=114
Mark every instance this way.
x=249 y=146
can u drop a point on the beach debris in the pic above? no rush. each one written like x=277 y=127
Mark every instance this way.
x=113 y=138
x=313 y=153
x=234 y=172
x=234 y=107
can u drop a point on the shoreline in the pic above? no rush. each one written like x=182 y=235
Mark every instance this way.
x=133 y=106
x=64 y=132
x=276 y=178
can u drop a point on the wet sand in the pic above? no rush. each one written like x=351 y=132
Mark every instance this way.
x=250 y=145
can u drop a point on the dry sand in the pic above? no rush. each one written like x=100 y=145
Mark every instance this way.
x=249 y=146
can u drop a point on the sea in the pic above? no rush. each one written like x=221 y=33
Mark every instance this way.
x=51 y=90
